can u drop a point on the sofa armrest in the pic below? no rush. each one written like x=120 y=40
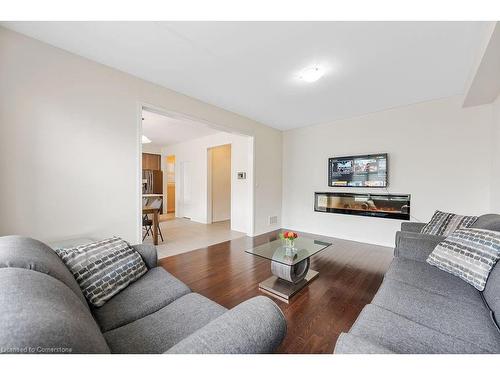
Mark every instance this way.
x=415 y=246
x=148 y=254
x=348 y=343
x=411 y=226
x=254 y=326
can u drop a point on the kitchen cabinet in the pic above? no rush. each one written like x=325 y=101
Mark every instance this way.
x=151 y=161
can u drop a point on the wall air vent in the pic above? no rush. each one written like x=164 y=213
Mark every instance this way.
x=273 y=220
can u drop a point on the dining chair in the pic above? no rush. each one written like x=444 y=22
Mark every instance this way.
x=147 y=223
x=145 y=218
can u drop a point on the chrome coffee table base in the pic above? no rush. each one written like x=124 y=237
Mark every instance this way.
x=289 y=265
x=283 y=289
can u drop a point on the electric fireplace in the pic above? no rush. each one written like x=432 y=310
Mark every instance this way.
x=389 y=206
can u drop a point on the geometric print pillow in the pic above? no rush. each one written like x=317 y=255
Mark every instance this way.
x=469 y=254
x=103 y=268
x=444 y=223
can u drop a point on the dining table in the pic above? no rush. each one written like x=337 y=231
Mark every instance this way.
x=146 y=210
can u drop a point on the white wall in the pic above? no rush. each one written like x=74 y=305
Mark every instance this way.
x=438 y=152
x=195 y=152
x=69 y=144
x=495 y=165
x=151 y=149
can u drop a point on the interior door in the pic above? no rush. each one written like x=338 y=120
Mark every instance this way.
x=221 y=183
x=170 y=162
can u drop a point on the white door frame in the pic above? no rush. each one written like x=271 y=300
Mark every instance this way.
x=182 y=189
x=209 y=186
x=179 y=115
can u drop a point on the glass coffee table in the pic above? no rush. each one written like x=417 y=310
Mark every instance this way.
x=289 y=265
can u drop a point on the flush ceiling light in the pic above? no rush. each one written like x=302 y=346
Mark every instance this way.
x=145 y=139
x=311 y=74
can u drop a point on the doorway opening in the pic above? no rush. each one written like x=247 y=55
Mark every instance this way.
x=204 y=198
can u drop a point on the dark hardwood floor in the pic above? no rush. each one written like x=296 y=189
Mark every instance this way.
x=350 y=273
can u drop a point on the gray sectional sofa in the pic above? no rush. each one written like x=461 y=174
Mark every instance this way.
x=421 y=309
x=42 y=310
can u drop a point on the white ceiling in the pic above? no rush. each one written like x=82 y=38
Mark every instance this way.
x=251 y=67
x=164 y=131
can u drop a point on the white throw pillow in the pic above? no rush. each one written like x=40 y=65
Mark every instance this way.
x=469 y=254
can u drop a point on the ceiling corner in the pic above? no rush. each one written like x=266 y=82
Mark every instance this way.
x=483 y=86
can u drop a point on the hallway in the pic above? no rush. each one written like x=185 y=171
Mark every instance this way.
x=182 y=235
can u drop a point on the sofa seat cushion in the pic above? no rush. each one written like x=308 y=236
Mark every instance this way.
x=469 y=322
x=347 y=343
x=402 y=335
x=157 y=332
x=153 y=291
x=431 y=279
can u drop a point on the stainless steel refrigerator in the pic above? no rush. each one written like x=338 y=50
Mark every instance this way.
x=152 y=181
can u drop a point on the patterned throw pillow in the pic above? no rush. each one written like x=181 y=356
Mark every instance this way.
x=103 y=268
x=469 y=254
x=444 y=223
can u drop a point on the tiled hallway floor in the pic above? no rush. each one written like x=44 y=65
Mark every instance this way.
x=183 y=235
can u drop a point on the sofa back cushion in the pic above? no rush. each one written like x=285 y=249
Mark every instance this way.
x=41 y=314
x=491 y=292
x=488 y=221
x=27 y=253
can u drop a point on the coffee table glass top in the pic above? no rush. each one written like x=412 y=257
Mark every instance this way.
x=277 y=252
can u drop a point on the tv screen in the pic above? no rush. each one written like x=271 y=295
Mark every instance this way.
x=358 y=171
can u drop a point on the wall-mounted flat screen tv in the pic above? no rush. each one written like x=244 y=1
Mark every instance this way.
x=358 y=171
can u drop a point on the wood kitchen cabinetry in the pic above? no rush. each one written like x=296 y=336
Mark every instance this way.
x=151 y=161
x=152 y=175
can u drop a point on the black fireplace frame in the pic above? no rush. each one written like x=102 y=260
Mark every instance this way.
x=375 y=196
